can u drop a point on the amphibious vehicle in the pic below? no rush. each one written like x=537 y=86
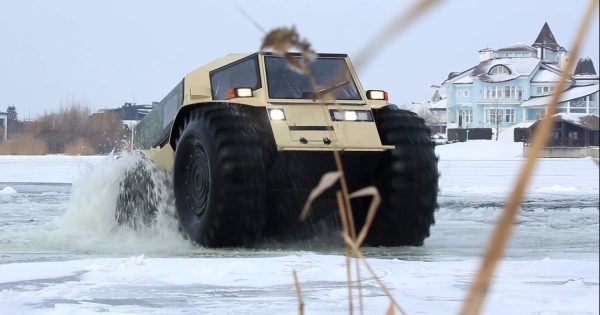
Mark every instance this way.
x=246 y=137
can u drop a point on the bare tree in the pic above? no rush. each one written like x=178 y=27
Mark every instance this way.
x=498 y=120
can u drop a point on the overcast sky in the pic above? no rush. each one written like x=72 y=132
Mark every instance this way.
x=107 y=52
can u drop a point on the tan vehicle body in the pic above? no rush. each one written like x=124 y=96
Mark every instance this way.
x=246 y=138
x=307 y=121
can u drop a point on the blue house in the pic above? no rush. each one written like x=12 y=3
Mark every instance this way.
x=511 y=86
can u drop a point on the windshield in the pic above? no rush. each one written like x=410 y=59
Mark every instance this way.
x=331 y=74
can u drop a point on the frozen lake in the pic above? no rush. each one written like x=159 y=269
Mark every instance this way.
x=59 y=254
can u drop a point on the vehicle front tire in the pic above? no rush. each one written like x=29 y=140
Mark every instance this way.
x=219 y=175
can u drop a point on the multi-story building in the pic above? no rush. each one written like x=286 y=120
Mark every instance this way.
x=513 y=85
x=433 y=111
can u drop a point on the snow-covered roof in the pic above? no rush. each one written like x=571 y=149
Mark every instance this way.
x=587 y=121
x=570 y=94
x=586 y=77
x=585 y=66
x=524 y=124
x=441 y=104
x=464 y=80
x=546 y=39
x=518 y=46
x=545 y=76
x=466 y=73
x=518 y=67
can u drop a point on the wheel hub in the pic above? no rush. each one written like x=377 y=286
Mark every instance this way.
x=197 y=181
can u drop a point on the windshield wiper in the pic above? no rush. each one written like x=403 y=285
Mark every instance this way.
x=324 y=91
x=332 y=88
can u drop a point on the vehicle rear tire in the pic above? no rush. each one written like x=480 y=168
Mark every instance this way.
x=219 y=174
x=137 y=201
x=407 y=179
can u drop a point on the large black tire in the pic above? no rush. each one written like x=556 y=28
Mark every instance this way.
x=137 y=201
x=219 y=174
x=407 y=179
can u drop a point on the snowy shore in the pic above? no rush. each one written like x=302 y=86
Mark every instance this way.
x=59 y=256
x=477 y=166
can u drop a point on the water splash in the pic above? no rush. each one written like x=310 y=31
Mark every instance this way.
x=90 y=221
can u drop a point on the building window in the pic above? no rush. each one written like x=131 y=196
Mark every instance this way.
x=544 y=90
x=469 y=115
x=540 y=114
x=594 y=103
x=509 y=115
x=578 y=105
x=466 y=93
x=516 y=93
x=499 y=115
x=504 y=92
x=458 y=93
x=499 y=69
x=466 y=114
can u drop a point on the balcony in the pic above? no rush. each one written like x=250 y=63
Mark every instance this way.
x=500 y=100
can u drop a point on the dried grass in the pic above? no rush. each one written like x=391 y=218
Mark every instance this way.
x=24 y=144
x=298 y=293
x=80 y=146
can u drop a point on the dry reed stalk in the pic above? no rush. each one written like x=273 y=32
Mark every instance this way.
x=345 y=232
x=298 y=293
x=360 y=294
x=345 y=194
x=358 y=253
x=368 y=191
x=251 y=19
x=392 y=30
x=479 y=288
x=373 y=207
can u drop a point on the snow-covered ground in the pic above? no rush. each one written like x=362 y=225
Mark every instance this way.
x=49 y=169
x=482 y=167
x=60 y=253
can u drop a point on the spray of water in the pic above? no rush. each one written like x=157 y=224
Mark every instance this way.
x=90 y=221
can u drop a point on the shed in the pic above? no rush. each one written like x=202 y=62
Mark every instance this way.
x=573 y=130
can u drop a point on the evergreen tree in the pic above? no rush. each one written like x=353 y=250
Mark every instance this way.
x=14 y=125
x=12 y=113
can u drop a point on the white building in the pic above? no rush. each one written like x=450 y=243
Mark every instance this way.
x=433 y=111
x=3 y=127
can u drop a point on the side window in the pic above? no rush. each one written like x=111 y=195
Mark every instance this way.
x=241 y=74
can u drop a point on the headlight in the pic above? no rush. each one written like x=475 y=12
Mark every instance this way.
x=276 y=114
x=351 y=115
